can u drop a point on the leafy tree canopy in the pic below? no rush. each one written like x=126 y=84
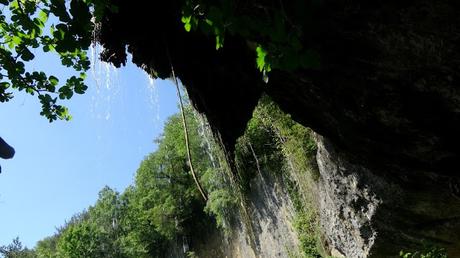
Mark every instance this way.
x=16 y=250
x=31 y=27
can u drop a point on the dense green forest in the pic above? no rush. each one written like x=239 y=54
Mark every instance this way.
x=163 y=207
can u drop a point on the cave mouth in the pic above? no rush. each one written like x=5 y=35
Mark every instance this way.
x=385 y=98
x=385 y=92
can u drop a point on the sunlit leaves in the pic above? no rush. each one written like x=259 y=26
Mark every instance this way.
x=5 y=96
x=53 y=81
x=42 y=17
x=163 y=204
x=189 y=22
x=81 y=240
x=261 y=60
x=22 y=26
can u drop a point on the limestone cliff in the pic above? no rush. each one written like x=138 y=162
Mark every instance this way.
x=266 y=231
x=376 y=213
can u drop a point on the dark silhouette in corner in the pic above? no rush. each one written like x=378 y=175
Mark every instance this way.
x=6 y=151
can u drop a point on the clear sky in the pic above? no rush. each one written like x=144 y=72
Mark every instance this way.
x=60 y=167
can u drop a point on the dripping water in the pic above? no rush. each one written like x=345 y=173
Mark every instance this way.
x=205 y=134
x=106 y=78
x=153 y=98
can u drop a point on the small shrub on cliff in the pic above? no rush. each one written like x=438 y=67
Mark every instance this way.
x=276 y=144
x=306 y=231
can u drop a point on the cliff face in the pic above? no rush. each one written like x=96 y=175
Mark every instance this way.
x=271 y=214
x=376 y=213
x=386 y=99
x=266 y=230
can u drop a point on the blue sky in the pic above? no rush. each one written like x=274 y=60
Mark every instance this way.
x=60 y=167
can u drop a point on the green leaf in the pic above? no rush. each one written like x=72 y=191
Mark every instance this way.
x=53 y=80
x=59 y=9
x=20 y=67
x=14 y=5
x=43 y=16
x=209 y=22
x=188 y=27
x=4 y=85
x=26 y=55
x=16 y=41
x=219 y=41
x=60 y=31
x=261 y=59
x=187 y=20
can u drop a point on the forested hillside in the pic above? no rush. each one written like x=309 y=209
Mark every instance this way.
x=162 y=214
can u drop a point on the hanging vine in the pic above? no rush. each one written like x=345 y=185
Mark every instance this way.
x=187 y=144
